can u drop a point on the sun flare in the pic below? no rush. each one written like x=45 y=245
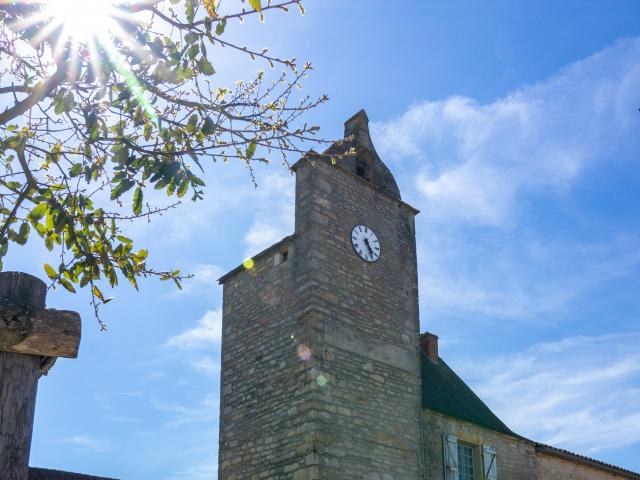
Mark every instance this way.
x=82 y=21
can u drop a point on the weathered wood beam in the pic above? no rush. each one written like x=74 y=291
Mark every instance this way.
x=47 y=332
x=18 y=380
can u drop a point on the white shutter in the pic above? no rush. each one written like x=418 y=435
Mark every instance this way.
x=489 y=466
x=450 y=447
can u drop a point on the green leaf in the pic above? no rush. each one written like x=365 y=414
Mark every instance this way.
x=197 y=181
x=251 y=150
x=96 y=291
x=66 y=284
x=4 y=246
x=191 y=37
x=13 y=141
x=146 y=131
x=38 y=212
x=208 y=126
x=58 y=105
x=48 y=242
x=220 y=26
x=51 y=273
x=255 y=4
x=75 y=170
x=184 y=186
x=137 y=201
x=204 y=66
x=121 y=187
x=23 y=234
x=171 y=187
x=193 y=51
x=189 y=10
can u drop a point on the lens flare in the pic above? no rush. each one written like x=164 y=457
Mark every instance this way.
x=248 y=263
x=304 y=352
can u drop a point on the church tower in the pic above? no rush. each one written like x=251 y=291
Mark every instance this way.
x=320 y=367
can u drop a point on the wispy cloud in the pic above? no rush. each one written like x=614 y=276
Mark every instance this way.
x=478 y=160
x=88 y=444
x=273 y=220
x=479 y=167
x=204 y=412
x=207 y=365
x=579 y=392
x=518 y=276
x=204 y=281
x=207 y=332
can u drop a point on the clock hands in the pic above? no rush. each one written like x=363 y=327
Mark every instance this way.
x=366 y=242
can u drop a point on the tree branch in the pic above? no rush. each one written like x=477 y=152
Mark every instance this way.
x=16 y=89
x=41 y=91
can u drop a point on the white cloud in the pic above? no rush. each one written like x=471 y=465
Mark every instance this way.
x=87 y=443
x=477 y=160
x=473 y=169
x=208 y=332
x=579 y=393
x=519 y=277
x=204 y=412
x=274 y=217
x=207 y=365
x=204 y=281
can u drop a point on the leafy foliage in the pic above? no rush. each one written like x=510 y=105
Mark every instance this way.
x=93 y=126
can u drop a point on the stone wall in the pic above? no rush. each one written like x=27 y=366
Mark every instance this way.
x=320 y=372
x=366 y=319
x=263 y=423
x=553 y=467
x=515 y=457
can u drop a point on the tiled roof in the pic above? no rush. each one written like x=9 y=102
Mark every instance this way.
x=444 y=392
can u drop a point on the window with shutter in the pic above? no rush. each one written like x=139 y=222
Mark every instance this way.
x=489 y=466
x=450 y=447
x=466 y=462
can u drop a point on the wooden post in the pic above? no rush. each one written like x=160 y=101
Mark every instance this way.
x=18 y=376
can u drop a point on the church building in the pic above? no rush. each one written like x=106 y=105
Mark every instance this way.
x=325 y=375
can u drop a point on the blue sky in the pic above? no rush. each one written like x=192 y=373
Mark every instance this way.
x=513 y=127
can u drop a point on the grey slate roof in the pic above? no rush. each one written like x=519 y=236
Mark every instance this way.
x=443 y=391
x=589 y=462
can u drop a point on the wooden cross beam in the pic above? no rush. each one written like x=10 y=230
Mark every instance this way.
x=46 y=332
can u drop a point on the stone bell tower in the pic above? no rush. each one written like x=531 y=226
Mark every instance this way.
x=320 y=372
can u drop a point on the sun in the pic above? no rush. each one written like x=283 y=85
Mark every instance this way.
x=82 y=21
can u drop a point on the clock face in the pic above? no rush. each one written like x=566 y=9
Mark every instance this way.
x=365 y=243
